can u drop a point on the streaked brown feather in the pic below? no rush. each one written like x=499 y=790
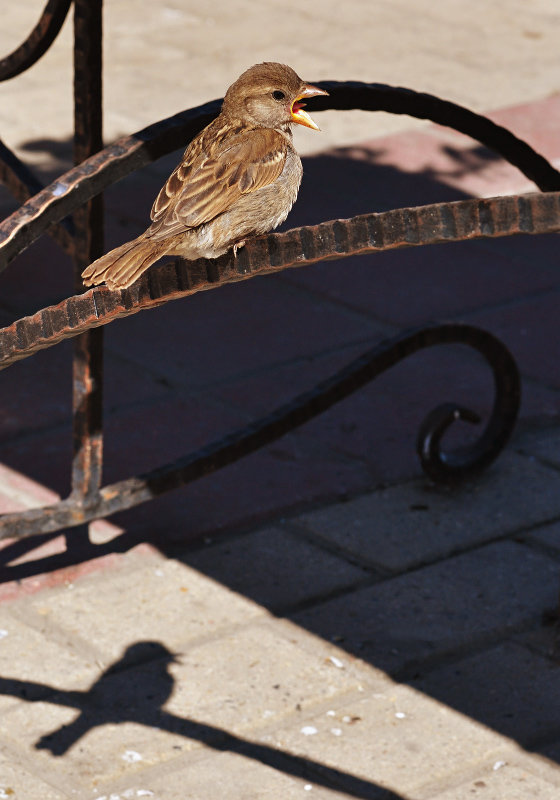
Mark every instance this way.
x=210 y=179
x=121 y=267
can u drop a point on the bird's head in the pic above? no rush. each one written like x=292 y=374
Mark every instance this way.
x=270 y=95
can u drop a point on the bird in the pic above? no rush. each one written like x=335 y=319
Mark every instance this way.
x=239 y=177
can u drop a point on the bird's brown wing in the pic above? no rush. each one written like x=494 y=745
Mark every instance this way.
x=213 y=175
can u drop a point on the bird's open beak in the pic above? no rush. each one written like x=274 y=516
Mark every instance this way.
x=298 y=114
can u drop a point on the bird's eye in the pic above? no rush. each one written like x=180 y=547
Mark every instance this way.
x=278 y=95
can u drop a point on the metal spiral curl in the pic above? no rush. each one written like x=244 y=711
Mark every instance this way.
x=38 y=42
x=466 y=461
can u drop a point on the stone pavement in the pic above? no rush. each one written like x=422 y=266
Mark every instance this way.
x=317 y=620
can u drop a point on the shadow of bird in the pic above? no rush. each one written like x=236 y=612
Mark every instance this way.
x=119 y=695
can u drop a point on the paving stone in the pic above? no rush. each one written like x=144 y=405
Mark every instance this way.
x=543 y=445
x=17 y=492
x=507 y=688
x=18 y=782
x=206 y=338
x=511 y=782
x=548 y=535
x=391 y=285
x=115 y=728
x=377 y=425
x=530 y=329
x=274 y=568
x=552 y=752
x=544 y=136
x=450 y=606
x=544 y=636
x=214 y=681
x=288 y=475
x=226 y=773
x=158 y=432
x=400 y=527
x=87 y=755
x=398 y=739
x=33 y=665
x=153 y=600
x=292 y=474
x=63 y=564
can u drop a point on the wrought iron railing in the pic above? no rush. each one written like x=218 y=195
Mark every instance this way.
x=70 y=210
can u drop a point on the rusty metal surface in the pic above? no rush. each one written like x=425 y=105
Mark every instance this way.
x=368 y=233
x=439 y=465
x=38 y=42
x=87 y=365
x=131 y=152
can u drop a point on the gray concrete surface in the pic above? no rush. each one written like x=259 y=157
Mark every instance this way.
x=396 y=646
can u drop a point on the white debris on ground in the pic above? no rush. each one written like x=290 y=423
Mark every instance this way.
x=131 y=756
x=126 y=795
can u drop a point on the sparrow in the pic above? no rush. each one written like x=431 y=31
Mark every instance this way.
x=238 y=178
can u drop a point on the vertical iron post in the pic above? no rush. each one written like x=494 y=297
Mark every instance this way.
x=88 y=352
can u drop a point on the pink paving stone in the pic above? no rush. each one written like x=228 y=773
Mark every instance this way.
x=13 y=589
x=537 y=122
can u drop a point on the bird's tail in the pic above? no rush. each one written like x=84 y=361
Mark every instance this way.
x=122 y=266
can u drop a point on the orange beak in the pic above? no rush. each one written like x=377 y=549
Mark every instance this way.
x=298 y=114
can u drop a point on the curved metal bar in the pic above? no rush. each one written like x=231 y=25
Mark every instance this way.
x=133 y=491
x=399 y=100
x=38 y=42
x=22 y=184
x=368 y=233
x=131 y=152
